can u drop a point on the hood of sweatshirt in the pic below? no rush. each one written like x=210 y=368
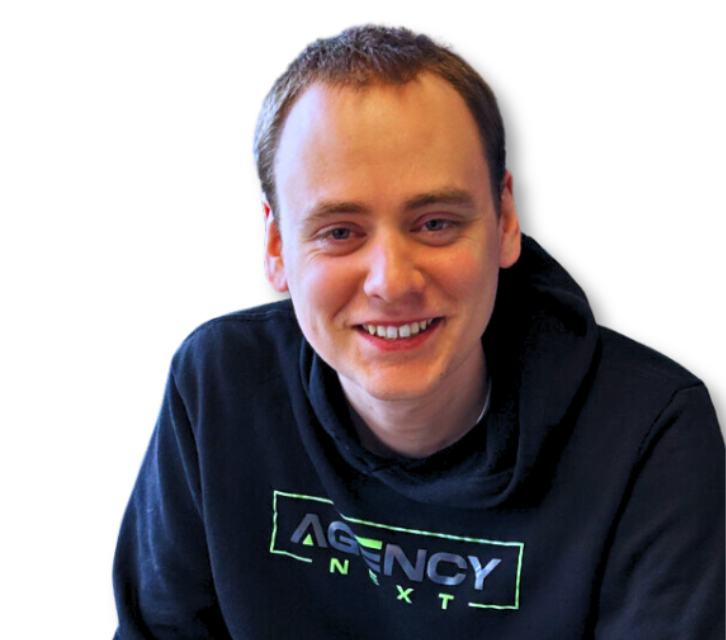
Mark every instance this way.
x=540 y=346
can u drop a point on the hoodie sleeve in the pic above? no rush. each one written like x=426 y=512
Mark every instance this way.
x=162 y=578
x=664 y=575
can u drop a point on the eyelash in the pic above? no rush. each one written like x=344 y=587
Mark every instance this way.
x=447 y=224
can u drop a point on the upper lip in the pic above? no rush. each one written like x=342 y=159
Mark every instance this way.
x=395 y=323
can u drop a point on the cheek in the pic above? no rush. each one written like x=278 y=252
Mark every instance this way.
x=470 y=279
x=321 y=293
x=469 y=275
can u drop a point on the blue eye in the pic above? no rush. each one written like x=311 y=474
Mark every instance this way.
x=436 y=225
x=340 y=234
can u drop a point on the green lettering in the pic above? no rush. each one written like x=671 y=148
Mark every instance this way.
x=340 y=568
x=404 y=593
x=445 y=597
x=369 y=543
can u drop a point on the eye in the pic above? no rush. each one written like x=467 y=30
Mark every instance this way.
x=339 y=233
x=338 y=240
x=437 y=224
x=439 y=231
x=334 y=234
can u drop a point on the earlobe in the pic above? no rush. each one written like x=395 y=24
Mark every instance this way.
x=511 y=236
x=274 y=264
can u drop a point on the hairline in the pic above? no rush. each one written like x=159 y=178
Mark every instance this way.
x=370 y=55
x=315 y=79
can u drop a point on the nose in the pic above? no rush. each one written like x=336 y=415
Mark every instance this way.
x=392 y=269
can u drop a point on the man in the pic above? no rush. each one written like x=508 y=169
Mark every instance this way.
x=433 y=438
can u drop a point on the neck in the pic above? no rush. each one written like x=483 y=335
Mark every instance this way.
x=417 y=428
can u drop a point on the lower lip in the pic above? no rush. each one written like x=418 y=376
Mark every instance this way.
x=400 y=344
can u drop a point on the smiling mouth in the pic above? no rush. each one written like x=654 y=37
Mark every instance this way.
x=403 y=331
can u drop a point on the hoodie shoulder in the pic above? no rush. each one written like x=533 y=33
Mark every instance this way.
x=638 y=364
x=244 y=341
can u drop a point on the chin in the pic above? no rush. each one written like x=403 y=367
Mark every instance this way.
x=393 y=388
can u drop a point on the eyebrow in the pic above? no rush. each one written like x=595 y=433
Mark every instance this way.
x=451 y=196
x=447 y=196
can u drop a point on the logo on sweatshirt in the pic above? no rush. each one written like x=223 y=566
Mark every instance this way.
x=447 y=569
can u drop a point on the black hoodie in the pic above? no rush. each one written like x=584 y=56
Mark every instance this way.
x=587 y=503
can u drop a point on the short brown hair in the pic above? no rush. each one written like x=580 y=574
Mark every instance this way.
x=367 y=55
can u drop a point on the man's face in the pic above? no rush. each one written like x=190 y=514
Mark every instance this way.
x=387 y=236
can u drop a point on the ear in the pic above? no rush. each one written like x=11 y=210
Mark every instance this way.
x=274 y=265
x=510 y=235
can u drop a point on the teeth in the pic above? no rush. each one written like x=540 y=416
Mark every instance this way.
x=393 y=333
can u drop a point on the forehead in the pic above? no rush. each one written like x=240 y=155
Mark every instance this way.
x=378 y=141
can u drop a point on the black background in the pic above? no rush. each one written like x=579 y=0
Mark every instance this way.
x=609 y=139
